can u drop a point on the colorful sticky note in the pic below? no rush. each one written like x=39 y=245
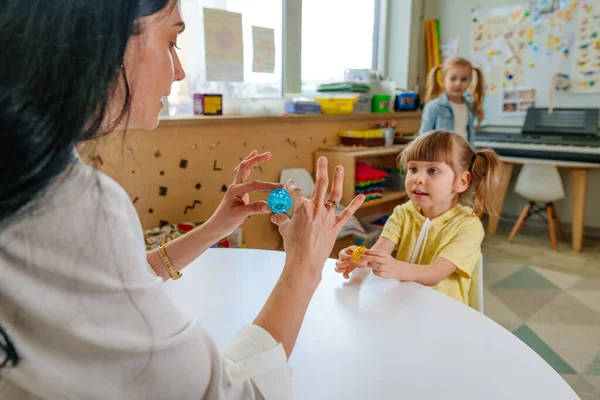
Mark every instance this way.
x=531 y=64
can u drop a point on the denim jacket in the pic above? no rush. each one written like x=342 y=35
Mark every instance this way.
x=437 y=114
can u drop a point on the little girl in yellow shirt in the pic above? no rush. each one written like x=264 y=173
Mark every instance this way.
x=437 y=235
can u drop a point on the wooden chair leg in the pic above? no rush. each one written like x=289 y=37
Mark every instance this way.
x=520 y=221
x=558 y=224
x=551 y=227
x=524 y=224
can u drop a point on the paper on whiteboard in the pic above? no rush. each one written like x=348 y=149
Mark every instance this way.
x=585 y=54
x=224 y=46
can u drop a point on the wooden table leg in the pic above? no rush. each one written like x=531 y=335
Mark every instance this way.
x=579 y=177
x=551 y=227
x=505 y=174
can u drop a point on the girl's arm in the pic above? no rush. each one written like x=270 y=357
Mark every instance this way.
x=385 y=266
x=384 y=244
x=435 y=272
x=428 y=118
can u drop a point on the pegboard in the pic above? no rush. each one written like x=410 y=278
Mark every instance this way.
x=179 y=171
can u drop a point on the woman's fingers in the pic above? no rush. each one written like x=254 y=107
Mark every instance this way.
x=349 y=211
x=337 y=186
x=279 y=219
x=254 y=186
x=294 y=191
x=321 y=183
x=243 y=170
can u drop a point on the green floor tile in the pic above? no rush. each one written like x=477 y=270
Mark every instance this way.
x=539 y=346
x=525 y=279
x=594 y=367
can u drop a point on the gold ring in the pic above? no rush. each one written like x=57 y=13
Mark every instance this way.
x=332 y=204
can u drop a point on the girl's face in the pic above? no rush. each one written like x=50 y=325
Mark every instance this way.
x=152 y=65
x=456 y=80
x=433 y=186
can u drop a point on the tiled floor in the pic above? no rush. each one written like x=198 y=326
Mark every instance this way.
x=550 y=300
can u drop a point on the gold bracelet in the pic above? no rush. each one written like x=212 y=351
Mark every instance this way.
x=167 y=263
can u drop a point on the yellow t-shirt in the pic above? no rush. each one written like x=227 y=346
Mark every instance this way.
x=455 y=236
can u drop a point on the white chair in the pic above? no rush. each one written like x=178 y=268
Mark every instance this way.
x=476 y=291
x=539 y=184
x=302 y=177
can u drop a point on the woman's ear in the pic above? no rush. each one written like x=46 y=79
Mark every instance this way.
x=463 y=182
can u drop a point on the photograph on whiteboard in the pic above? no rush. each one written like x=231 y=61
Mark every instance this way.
x=516 y=101
x=524 y=106
x=511 y=95
x=527 y=94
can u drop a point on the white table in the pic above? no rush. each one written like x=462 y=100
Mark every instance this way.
x=370 y=338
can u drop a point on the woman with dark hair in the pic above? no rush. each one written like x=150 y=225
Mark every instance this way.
x=83 y=313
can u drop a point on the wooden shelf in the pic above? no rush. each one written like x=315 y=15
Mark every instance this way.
x=387 y=197
x=203 y=120
x=358 y=152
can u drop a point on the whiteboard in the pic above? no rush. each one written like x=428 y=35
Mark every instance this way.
x=538 y=70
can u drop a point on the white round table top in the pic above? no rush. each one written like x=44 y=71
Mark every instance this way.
x=370 y=338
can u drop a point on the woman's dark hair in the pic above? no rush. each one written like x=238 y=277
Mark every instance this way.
x=61 y=60
x=60 y=64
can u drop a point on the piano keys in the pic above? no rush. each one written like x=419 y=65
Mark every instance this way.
x=548 y=138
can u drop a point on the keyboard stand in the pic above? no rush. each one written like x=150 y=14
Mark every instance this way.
x=579 y=173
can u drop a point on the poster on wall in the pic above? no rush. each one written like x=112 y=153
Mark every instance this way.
x=263 y=50
x=449 y=48
x=223 y=40
x=516 y=101
x=585 y=54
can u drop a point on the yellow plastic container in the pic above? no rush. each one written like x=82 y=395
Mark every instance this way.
x=364 y=134
x=334 y=105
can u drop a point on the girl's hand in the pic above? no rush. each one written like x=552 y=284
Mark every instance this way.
x=383 y=264
x=309 y=236
x=236 y=206
x=345 y=263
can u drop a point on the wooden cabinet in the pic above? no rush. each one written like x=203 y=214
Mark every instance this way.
x=379 y=157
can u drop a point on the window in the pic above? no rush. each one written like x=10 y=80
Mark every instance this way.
x=263 y=13
x=336 y=35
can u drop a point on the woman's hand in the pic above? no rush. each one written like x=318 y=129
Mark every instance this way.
x=345 y=263
x=235 y=206
x=383 y=264
x=309 y=236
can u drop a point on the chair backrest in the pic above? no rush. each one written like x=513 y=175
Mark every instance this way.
x=302 y=177
x=540 y=183
x=476 y=291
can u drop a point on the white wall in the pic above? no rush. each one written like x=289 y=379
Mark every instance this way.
x=455 y=20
